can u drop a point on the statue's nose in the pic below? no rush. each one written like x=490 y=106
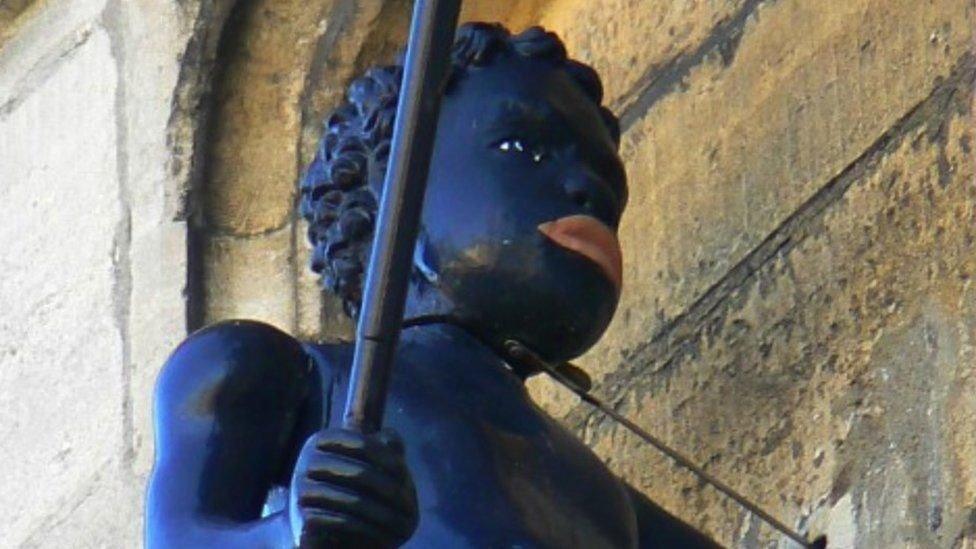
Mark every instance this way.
x=581 y=187
x=592 y=195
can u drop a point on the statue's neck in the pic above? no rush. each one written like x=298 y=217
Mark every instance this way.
x=427 y=306
x=444 y=334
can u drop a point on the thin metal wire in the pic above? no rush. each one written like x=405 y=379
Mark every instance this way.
x=524 y=354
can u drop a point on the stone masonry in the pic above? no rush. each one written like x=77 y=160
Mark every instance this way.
x=799 y=314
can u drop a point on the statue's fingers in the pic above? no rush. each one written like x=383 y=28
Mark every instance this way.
x=379 y=514
x=352 y=474
x=370 y=448
x=343 y=439
x=325 y=528
x=392 y=441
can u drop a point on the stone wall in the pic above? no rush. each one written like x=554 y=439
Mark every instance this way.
x=94 y=262
x=799 y=315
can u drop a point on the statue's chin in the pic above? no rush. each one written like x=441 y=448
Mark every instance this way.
x=567 y=335
x=556 y=303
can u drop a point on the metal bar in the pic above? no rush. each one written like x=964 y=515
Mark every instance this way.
x=522 y=353
x=381 y=314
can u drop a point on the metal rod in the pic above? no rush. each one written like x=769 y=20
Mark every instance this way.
x=522 y=353
x=425 y=74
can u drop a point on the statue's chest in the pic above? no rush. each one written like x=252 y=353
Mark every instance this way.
x=492 y=470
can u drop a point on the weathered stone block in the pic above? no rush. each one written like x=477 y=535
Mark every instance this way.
x=254 y=167
x=631 y=42
x=156 y=325
x=752 y=134
x=517 y=16
x=9 y=12
x=251 y=278
x=38 y=39
x=148 y=35
x=833 y=384
x=61 y=363
x=104 y=512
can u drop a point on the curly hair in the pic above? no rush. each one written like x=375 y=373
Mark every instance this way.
x=340 y=189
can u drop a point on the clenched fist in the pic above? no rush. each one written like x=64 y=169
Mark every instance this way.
x=352 y=490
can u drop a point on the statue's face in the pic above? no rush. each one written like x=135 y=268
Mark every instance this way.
x=524 y=197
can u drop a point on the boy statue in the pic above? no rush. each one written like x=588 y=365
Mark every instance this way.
x=517 y=242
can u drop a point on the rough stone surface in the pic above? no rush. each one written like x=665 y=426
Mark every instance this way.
x=253 y=168
x=10 y=11
x=247 y=195
x=95 y=265
x=517 y=16
x=103 y=512
x=61 y=342
x=147 y=36
x=237 y=265
x=718 y=163
x=43 y=36
x=631 y=42
x=833 y=383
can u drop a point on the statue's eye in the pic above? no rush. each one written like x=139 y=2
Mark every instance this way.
x=511 y=145
x=516 y=145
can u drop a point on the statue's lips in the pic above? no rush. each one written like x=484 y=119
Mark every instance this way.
x=591 y=238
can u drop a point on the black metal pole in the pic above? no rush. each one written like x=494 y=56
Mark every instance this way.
x=381 y=314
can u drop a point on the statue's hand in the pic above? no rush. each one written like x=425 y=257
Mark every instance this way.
x=352 y=490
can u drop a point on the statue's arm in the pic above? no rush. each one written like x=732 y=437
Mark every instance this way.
x=227 y=408
x=656 y=528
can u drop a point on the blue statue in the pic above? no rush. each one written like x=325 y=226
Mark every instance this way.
x=517 y=241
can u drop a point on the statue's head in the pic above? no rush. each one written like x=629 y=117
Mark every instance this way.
x=524 y=194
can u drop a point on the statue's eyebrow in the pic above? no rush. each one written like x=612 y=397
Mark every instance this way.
x=523 y=113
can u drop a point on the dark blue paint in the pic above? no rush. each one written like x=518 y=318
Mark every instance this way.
x=236 y=402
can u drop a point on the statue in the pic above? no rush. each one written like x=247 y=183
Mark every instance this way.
x=517 y=242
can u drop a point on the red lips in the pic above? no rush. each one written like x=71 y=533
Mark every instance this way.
x=591 y=238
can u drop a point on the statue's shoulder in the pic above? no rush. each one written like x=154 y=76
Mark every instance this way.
x=233 y=362
x=230 y=417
